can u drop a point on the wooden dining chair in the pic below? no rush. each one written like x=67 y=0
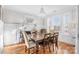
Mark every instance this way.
x=54 y=40
x=28 y=32
x=43 y=31
x=46 y=42
x=29 y=44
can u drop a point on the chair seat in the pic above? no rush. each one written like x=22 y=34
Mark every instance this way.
x=31 y=44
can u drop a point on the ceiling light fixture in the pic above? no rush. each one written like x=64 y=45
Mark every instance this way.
x=42 y=12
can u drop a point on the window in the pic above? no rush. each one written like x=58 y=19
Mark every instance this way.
x=55 y=21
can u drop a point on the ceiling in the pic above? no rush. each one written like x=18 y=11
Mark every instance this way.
x=20 y=12
x=35 y=9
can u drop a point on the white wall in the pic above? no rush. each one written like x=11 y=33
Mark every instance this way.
x=78 y=30
x=15 y=17
x=9 y=33
x=67 y=33
x=13 y=21
x=1 y=33
x=1 y=36
x=69 y=29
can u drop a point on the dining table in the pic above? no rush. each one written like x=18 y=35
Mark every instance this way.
x=40 y=38
x=37 y=39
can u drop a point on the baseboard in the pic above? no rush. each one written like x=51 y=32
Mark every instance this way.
x=67 y=43
x=12 y=44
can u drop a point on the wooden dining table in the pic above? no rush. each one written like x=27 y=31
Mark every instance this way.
x=40 y=38
x=37 y=39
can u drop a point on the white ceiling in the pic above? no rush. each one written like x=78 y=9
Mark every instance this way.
x=35 y=9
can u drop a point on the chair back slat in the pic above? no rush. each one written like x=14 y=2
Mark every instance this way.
x=26 y=39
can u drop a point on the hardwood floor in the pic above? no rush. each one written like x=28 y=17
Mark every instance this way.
x=20 y=49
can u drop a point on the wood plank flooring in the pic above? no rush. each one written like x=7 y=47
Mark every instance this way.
x=20 y=49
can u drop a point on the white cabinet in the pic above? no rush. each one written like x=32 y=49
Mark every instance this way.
x=10 y=34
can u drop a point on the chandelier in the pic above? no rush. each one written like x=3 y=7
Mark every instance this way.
x=42 y=12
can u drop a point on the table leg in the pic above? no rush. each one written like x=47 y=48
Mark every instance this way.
x=37 y=48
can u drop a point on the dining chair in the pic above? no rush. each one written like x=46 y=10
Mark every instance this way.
x=46 y=42
x=43 y=31
x=28 y=32
x=29 y=44
x=54 y=40
x=35 y=32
